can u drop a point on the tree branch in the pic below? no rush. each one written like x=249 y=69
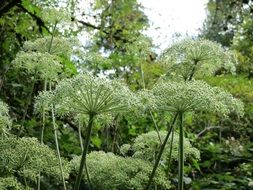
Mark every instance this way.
x=6 y=6
x=38 y=20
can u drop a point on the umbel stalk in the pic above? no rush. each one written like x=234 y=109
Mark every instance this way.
x=181 y=154
x=84 y=154
x=57 y=144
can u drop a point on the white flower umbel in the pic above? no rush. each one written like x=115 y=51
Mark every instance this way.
x=195 y=96
x=59 y=46
x=86 y=94
x=189 y=58
x=41 y=65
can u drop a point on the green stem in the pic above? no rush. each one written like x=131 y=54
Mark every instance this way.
x=28 y=100
x=84 y=154
x=52 y=37
x=170 y=153
x=80 y=135
x=43 y=117
x=161 y=152
x=57 y=143
x=193 y=70
x=181 y=154
x=42 y=129
x=88 y=176
x=156 y=127
x=142 y=77
x=43 y=111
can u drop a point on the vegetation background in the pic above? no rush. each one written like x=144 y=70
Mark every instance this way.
x=117 y=49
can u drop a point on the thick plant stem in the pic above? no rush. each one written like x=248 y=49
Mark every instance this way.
x=52 y=37
x=181 y=154
x=159 y=155
x=84 y=154
x=57 y=143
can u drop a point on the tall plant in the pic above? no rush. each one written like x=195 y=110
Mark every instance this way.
x=91 y=96
x=42 y=59
x=187 y=60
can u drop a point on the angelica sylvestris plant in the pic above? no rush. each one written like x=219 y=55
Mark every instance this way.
x=26 y=158
x=89 y=95
x=41 y=59
x=190 y=96
x=191 y=58
x=109 y=171
x=5 y=121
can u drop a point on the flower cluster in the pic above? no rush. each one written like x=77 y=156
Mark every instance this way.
x=28 y=157
x=145 y=146
x=195 y=96
x=108 y=171
x=54 y=16
x=42 y=65
x=5 y=120
x=11 y=183
x=147 y=100
x=59 y=46
x=86 y=94
x=197 y=57
x=42 y=57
